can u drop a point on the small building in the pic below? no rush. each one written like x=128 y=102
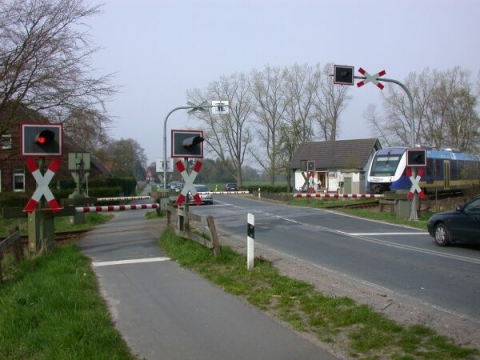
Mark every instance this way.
x=333 y=166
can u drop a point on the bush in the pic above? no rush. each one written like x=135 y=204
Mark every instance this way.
x=105 y=192
x=127 y=185
x=14 y=199
x=266 y=188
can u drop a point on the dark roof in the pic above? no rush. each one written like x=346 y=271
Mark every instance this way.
x=336 y=155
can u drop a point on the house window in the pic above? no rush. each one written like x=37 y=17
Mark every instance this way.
x=18 y=180
x=6 y=142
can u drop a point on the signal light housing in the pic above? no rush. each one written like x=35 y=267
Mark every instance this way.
x=187 y=144
x=42 y=140
x=416 y=157
x=343 y=75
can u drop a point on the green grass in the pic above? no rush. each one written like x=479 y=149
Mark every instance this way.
x=365 y=333
x=51 y=309
x=386 y=216
x=61 y=223
x=50 y=306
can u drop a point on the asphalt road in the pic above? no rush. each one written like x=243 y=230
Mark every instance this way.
x=166 y=312
x=403 y=260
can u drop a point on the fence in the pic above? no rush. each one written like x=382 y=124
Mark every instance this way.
x=14 y=240
x=192 y=226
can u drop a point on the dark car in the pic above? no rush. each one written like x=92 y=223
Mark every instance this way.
x=231 y=187
x=459 y=225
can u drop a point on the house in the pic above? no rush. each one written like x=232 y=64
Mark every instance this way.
x=333 y=166
x=14 y=173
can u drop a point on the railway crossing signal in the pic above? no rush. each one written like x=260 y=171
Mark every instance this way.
x=187 y=143
x=415 y=183
x=188 y=187
x=416 y=157
x=42 y=188
x=44 y=140
x=343 y=75
x=371 y=78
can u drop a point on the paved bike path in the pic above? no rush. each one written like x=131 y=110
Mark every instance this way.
x=167 y=312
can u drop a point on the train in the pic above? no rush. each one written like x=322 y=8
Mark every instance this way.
x=447 y=170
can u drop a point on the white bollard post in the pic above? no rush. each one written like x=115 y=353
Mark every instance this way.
x=250 y=241
x=259 y=193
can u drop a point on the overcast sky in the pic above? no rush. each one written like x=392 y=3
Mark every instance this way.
x=161 y=48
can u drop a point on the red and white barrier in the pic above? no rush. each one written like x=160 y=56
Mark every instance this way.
x=116 y=208
x=355 y=196
x=230 y=192
x=127 y=198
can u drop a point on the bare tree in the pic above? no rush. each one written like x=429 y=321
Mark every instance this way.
x=372 y=116
x=268 y=89
x=228 y=135
x=87 y=129
x=331 y=100
x=126 y=158
x=44 y=57
x=445 y=110
x=301 y=86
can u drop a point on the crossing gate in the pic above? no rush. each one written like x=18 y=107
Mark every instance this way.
x=339 y=196
x=108 y=208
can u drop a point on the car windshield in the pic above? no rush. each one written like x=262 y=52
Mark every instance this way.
x=202 y=188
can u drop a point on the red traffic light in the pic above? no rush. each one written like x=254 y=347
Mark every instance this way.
x=38 y=139
x=45 y=137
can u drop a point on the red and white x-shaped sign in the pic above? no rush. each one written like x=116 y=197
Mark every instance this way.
x=188 y=187
x=371 y=78
x=415 y=185
x=42 y=185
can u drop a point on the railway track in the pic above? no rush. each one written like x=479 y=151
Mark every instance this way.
x=62 y=237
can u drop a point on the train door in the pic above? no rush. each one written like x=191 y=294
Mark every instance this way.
x=446 y=174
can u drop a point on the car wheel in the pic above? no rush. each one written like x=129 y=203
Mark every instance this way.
x=442 y=237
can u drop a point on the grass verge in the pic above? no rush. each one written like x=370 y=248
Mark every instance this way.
x=386 y=216
x=51 y=309
x=61 y=223
x=365 y=333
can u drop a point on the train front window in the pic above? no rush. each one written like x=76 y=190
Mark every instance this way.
x=385 y=165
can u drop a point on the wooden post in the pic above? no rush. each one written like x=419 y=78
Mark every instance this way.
x=169 y=216
x=15 y=240
x=214 y=235
x=17 y=247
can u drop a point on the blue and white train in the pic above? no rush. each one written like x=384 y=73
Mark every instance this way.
x=446 y=170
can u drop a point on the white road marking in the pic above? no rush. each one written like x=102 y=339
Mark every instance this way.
x=131 y=261
x=389 y=233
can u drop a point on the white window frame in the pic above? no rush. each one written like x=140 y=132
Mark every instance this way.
x=21 y=174
x=6 y=142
